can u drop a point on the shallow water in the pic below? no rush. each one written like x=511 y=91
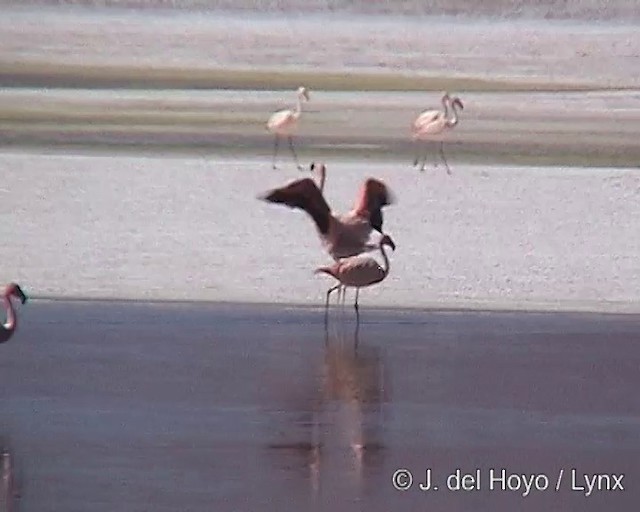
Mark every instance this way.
x=134 y=406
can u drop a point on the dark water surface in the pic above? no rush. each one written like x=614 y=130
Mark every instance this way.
x=133 y=406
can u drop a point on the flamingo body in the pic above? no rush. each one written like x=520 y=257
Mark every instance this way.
x=358 y=271
x=427 y=124
x=283 y=122
x=350 y=234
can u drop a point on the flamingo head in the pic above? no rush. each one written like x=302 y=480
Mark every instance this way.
x=14 y=290
x=386 y=240
x=457 y=102
x=445 y=96
x=321 y=169
x=303 y=92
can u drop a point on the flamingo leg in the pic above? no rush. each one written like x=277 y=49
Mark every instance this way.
x=275 y=152
x=418 y=153
x=295 y=156
x=444 y=159
x=326 y=305
x=421 y=155
x=425 y=156
x=326 y=330
x=356 y=305
x=356 y=337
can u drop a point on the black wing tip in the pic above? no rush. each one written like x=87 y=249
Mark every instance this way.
x=274 y=195
x=271 y=196
x=387 y=197
x=390 y=198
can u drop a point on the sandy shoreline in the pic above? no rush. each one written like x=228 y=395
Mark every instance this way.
x=191 y=228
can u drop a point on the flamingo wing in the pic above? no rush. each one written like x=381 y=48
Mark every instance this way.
x=305 y=195
x=425 y=119
x=281 y=119
x=373 y=196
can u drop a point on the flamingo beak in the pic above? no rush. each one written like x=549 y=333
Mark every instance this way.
x=457 y=101
x=20 y=294
x=390 y=243
x=319 y=168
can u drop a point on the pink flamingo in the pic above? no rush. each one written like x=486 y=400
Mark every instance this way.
x=434 y=122
x=9 y=327
x=346 y=235
x=358 y=271
x=284 y=123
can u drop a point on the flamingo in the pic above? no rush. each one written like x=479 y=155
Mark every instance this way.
x=434 y=122
x=9 y=327
x=346 y=235
x=285 y=123
x=358 y=272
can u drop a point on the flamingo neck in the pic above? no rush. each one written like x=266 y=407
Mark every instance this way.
x=445 y=105
x=11 y=322
x=298 y=109
x=387 y=264
x=323 y=177
x=330 y=270
x=454 y=118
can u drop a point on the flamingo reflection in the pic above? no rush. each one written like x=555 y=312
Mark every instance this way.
x=9 y=493
x=344 y=427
